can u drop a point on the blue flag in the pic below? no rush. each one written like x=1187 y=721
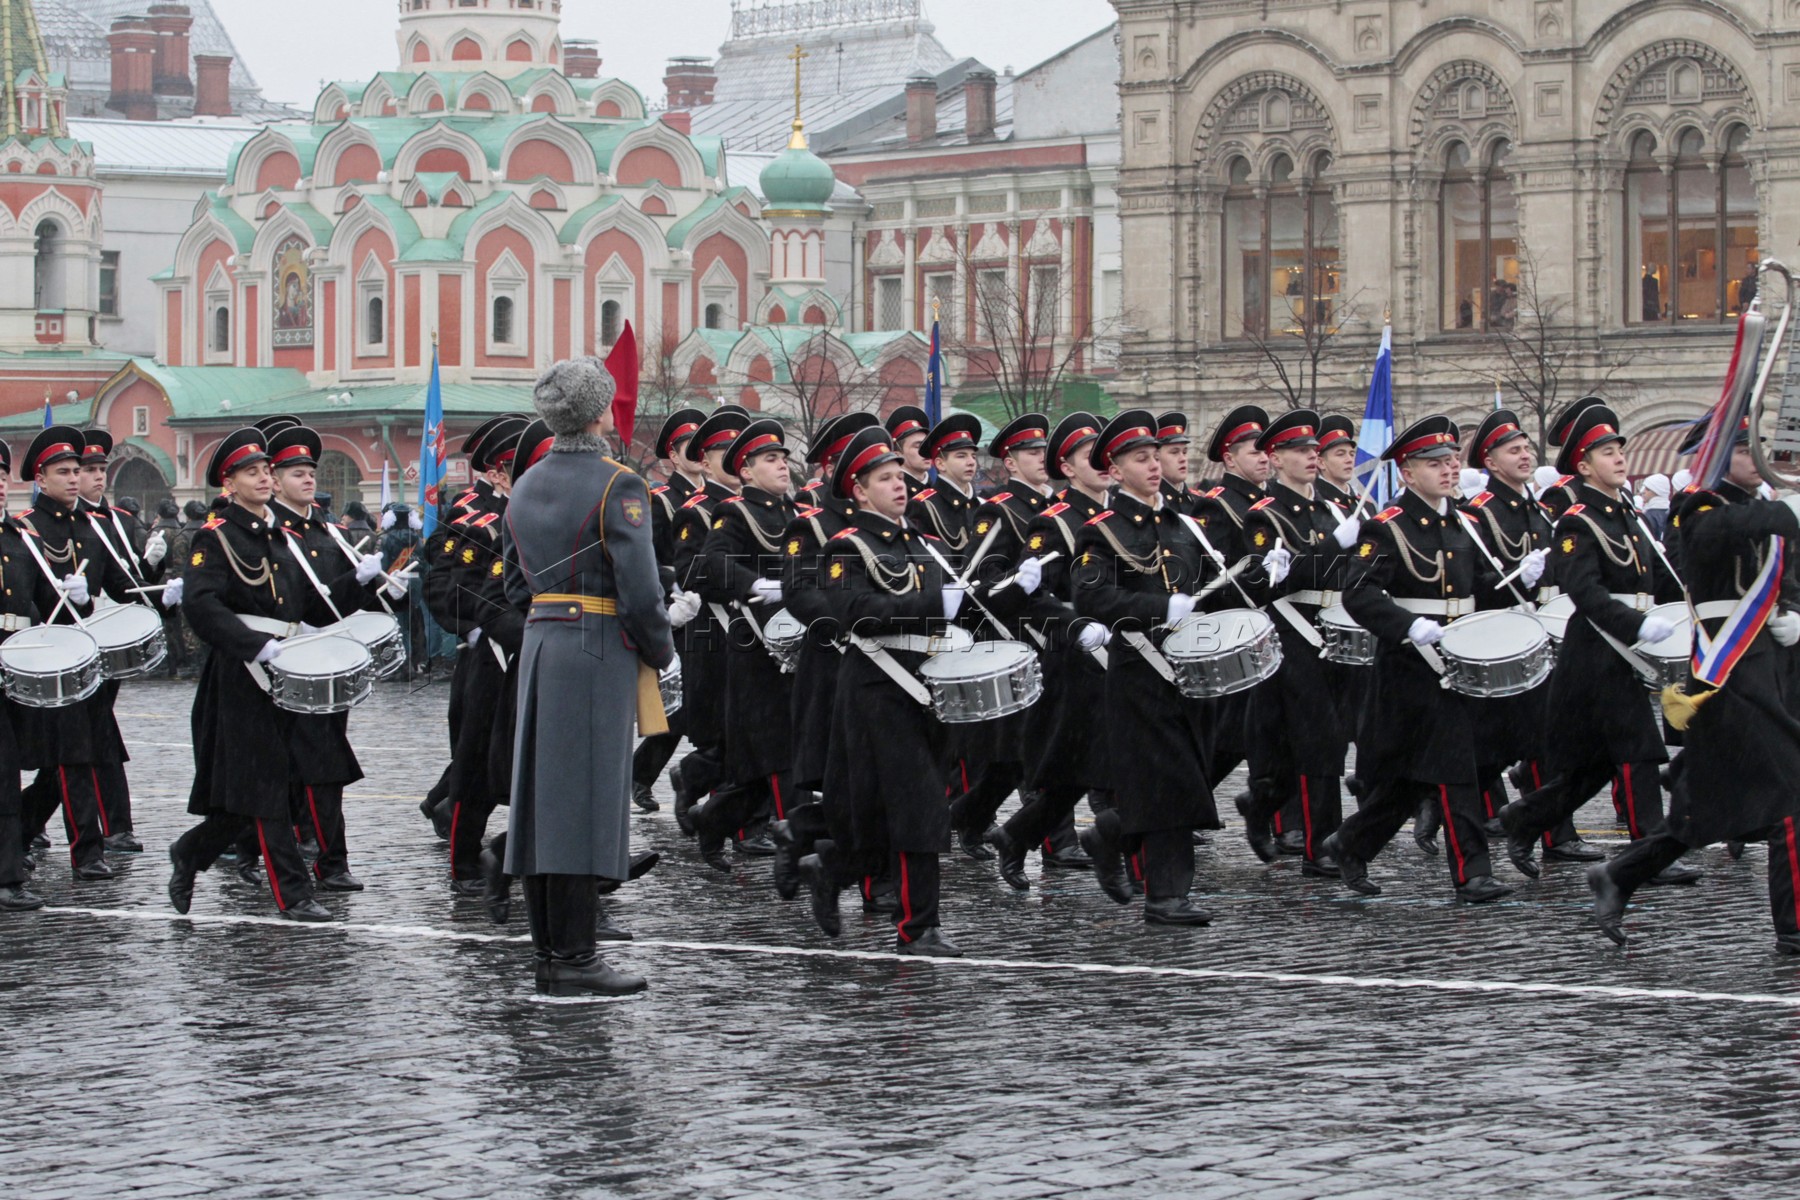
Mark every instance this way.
x=433 y=450
x=934 y=380
x=48 y=420
x=1378 y=425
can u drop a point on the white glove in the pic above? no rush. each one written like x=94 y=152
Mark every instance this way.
x=1348 y=530
x=1093 y=635
x=1030 y=575
x=270 y=649
x=1531 y=567
x=953 y=598
x=1425 y=632
x=1278 y=562
x=683 y=607
x=766 y=591
x=368 y=567
x=396 y=586
x=1784 y=627
x=387 y=520
x=1654 y=630
x=414 y=521
x=156 y=549
x=172 y=594
x=75 y=588
x=1180 y=605
x=474 y=636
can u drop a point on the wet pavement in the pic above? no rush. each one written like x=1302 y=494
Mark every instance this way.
x=1307 y=1044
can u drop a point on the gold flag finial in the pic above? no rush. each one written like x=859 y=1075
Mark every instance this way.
x=798 y=57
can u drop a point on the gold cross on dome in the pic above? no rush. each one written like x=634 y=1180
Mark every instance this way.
x=799 y=56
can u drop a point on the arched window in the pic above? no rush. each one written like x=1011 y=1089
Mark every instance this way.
x=339 y=476
x=1280 y=268
x=376 y=328
x=1478 y=242
x=221 y=330
x=611 y=315
x=49 y=282
x=138 y=478
x=503 y=321
x=715 y=316
x=1690 y=229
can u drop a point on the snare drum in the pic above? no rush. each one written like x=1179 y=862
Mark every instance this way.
x=1218 y=654
x=51 y=666
x=669 y=682
x=783 y=634
x=1495 y=654
x=1346 y=642
x=321 y=676
x=1672 y=656
x=379 y=633
x=952 y=639
x=982 y=681
x=1555 y=616
x=131 y=640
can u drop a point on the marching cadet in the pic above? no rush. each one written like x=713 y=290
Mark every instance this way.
x=1138 y=571
x=740 y=573
x=323 y=762
x=1741 y=753
x=1296 y=738
x=884 y=788
x=820 y=516
x=1512 y=525
x=1601 y=730
x=245 y=596
x=1065 y=731
x=1414 y=569
x=581 y=566
x=489 y=450
x=908 y=426
x=1172 y=442
x=653 y=753
x=1221 y=511
x=29 y=595
x=702 y=770
x=992 y=751
x=1565 y=489
x=69 y=745
x=1337 y=462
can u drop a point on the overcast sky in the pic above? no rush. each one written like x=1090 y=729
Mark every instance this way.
x=352 y=39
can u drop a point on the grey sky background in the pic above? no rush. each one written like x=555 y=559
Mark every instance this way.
x=352 y=39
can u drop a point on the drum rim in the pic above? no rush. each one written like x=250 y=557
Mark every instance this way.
x=1022 y=655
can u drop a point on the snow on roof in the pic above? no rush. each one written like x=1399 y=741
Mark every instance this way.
x=200 y=149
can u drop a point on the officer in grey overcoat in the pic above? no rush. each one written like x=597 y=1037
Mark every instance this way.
x=581 y=566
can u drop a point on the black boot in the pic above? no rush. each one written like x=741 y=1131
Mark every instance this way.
x=824 y=895
x=1352 y=870
x=440 y=823
x=1521 y=849
x=640 y=796
x=1609 y=903
x=1109 y=864
x=181 y=879
x=16 y=897
x=1426 y=822
x=537 y=916
x=684 y=801
x=1482 y=889
x=1010 y=857
x=496 y=890
x=1257 y=830
x=576 y=968
x=1576 y=850
x=787 y=860
x=970 y=842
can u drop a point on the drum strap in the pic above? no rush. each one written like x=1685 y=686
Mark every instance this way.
x=973 y=595
x=1150 y=654
x=1644 y=670
x=904 y=679
x=30 y=539
x=350 y=553
x=99 y=528
x=1285 y=608
x=311 y=576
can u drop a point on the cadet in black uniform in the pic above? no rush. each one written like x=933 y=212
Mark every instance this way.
x=1337 y=463
x=907 y=426
x=29 y=596
x=1172 y=442
x=1601 y=729
x=1415 y=569
x=1138 y=572
x=1741 y=755
x=883 y=788
x=244 y=596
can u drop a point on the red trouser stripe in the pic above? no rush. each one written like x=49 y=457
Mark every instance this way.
x=319 y=833
x=1450 y=834
x=906 y=913
x=780 y=808
x=269 y=866
x=100 y=803
x=1793 y=855
x=1487 y=802
x=1631 y=819
x=69 y=815
x=455 y=812
x=1306 y=814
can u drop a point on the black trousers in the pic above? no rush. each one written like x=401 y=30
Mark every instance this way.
x=976 y=808
x=12 y=831
x=1041 y=817
x=1494 y=797
x=201 y=846
x=320 y=807
x=1167 y=858
x=732 y=812
x=76 y=790
x=654 y=752
x=115 y=797
x=916 y=882
x=1637 y=794
x=1367 y=831
x=703 y=770
x=1316 y=804
x=1648 y=856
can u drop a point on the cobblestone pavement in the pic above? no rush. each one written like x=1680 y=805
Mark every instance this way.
x=1307 y=1044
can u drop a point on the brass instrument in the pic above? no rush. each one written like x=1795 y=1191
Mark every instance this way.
x=1784 y=439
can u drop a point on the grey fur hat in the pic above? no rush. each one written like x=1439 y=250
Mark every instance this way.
x=572 y=394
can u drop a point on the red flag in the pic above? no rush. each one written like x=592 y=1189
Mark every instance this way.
x=623 y=363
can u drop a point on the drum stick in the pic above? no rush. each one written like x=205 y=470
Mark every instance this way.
x=1014 y=577
x=80 y=569
x=1228 y=577
x=1506 y=581
x=1219 y=559
x=154 y=587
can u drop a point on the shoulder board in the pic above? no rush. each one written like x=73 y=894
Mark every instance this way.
x=1214 y=494
x=806 y=511
x=1054 y=510
x=844 y=533
x=930 y=537
x=1574 y=510
x=814 y=486
x=1388 y=514
x=467 y=498
x=464 y=519
x=657 y=489
x=1194 y=491
x=1565 y=481
x=695 y=500
x=213 y=523
x=1262 y=504
x=1101 y=517
x=999 y=498
x=123 y=512
x=924 y=493
x=486 y=519
x=732 y=500
x=1482 y=500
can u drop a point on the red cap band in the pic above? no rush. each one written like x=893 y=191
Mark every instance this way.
x=50 y=451
x=908 y=426
x=539 y=451
x=1024 y=435
x=1249 y=430
x=1129 y=435
x=1332 y=435
x=1289 y=435
x=287 y=452
x=861 y=462
x=239 y=455
x=836 y=448
x=504 y=457
x=1075 y=439
x=1505 y=430
x=1169 y=431
x=753 y=445
x=683 y=431
x=1424 y=443
x=100 y=450
x=721 y=438
x=1598 y=433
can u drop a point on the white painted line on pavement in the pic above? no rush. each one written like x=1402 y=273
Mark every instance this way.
x=1366 y=982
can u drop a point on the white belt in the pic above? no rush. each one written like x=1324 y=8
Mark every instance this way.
x=1642 y=601
x=1715 y=610
x=916 y=643
x=1452 y=607
x=1547 y=593
x=270 y=626
x=1322 y=599
x=14 y=622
